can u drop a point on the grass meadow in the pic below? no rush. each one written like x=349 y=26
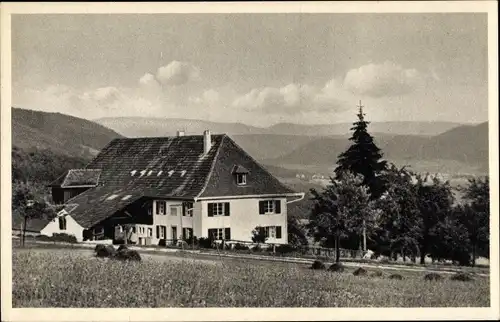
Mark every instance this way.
x=69 y=278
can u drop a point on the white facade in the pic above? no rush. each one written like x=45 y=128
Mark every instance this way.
x=71 y=227
x=243 y=218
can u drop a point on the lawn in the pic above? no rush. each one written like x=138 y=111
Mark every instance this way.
x=73 y=278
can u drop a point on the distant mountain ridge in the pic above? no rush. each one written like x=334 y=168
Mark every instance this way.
x=142 y=126
x=60 y=133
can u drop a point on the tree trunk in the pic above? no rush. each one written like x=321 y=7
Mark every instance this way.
x=473 y=254
x=337 y=247
x=422 y=255
x=364 y=236
x=24 y=229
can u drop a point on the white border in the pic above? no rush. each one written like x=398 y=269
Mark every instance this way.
x=244 y=314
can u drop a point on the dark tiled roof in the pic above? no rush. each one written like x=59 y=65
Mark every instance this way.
x=97 y=204
x=222 y=181
x=81 y=178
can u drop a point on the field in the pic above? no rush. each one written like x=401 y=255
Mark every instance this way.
x=74 y=278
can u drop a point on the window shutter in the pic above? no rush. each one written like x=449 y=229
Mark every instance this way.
x=184 y=235
x=227 y=233
x=210 y=209
x=157 y=231
x=278 y=232
x=157 y=207
x=261 y=207
x=226 y=209
x=277 y=206
x=184 y=209
x=212 y=233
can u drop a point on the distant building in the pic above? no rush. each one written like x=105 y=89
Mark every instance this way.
x=168 y=188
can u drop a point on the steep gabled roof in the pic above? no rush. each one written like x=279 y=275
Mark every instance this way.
x=97 y=204
x=222 y=181
x=168 y=166
x=81 y=178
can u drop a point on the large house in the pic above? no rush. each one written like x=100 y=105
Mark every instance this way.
x=167 y=188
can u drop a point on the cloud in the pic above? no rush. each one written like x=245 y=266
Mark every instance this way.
x=289 y=99
x=177 y=73
x=209 y=97
x=104 y=96
x=379 y=80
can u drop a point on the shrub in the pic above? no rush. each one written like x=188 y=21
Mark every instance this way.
x=239 y=246
x=336 y=267
x=59 y=237
x=257 y=248
x=128 y=255
x=118 y=241
x=99 y=247
x=395 y=277
x=360 y=271
x=106 y=251
x=162 y=242
x=377 y=274
x=432 y=277
x=122 y=247
x=192 y=240
x=318 y=265
x=285 y=249
x=205 y=242
x=464 y=277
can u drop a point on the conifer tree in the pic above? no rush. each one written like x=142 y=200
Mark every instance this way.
x=363 y=157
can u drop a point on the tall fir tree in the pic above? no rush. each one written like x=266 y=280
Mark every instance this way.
x=363 y=157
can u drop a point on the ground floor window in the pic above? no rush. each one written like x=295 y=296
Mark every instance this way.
x=272 y=232
x=187 y=233
x=62 y=223
x=219 y=233
x=161 y=232
x=150 y=232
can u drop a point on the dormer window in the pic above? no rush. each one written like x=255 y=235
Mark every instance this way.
x=241 y=179
x=240 y=174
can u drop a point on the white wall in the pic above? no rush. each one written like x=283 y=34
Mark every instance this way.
x=72 y=228
x=244 y=217
x=179 y=220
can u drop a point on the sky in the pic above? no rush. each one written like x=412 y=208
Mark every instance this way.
x=257 y=69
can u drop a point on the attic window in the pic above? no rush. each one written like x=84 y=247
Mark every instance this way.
x=150 y=172
x=132 y=173
x=143 y=172
x=126 y=197
x=159 y=173
x=112 y=197
x=241 y=175
x=241 y=179
x=183 y=172
x=170 y=173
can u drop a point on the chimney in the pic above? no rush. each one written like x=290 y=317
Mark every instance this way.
x=180 y=133
x=207 y=141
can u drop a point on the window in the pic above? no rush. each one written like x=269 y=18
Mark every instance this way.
x=161 y=232
x=218 y=209
x=188 y=209
x=269 y=207
x=112 y=197
x=150 y=232
x=187 y=233
x=160 y=207
x=241 y=179
x=174 y=210
x=219 y=233
x=62 y=223
x=272 y=232
x=126 y=197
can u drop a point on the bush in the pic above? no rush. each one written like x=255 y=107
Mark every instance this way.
x=205 y=242
x=192 y=240
x=239 y=246
x=285 y=249
x=464 y=277
x=432 y=277
x=128 y=255
x=395 y=277
x=122 y=247
x=118 y=241
x=318 y=265
x=336 y=267
x=105 y=251
x=162 y=242
x=257 y=248
x=377 y=274
x=58 y=237
x=360 y=271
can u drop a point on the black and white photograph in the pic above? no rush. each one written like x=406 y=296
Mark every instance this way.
x=218 y=158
